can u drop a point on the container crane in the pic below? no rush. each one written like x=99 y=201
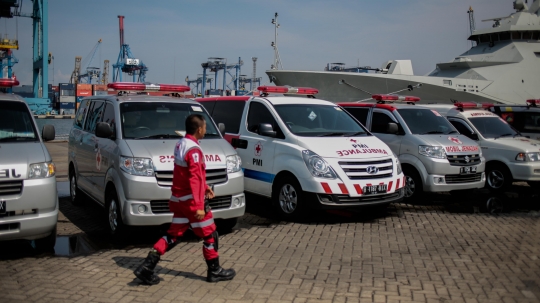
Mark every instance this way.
x=105 y=74
x=91 y=73
x=75 y=74
x=126 y=62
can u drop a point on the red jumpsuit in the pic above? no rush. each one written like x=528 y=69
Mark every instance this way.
x=188 y=191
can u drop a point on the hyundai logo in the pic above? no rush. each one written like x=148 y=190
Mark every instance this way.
x=372 y=170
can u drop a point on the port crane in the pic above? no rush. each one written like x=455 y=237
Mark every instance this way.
x=126 y=62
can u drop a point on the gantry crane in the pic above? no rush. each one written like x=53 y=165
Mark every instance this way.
x=90 y=72
x=76 y=71
x=126 y=62
x=105 y=74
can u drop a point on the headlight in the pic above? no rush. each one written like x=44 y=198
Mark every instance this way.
x=234 y=164
x=398 y=165
x=528 y=157
x=317 y=166
x=432 y=151
x=41 y=170
x=137 y=166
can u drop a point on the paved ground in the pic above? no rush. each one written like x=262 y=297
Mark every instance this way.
x=445 y=249
x=59 y=154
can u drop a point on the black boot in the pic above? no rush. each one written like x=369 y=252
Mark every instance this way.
x=216 y=273
x=145 y=272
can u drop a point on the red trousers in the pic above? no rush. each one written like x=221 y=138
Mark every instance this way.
x=183 y=218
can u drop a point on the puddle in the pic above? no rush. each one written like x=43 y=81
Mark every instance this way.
x=67 y=246
x=63 y=189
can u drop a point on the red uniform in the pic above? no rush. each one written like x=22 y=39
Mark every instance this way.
x=188 y=191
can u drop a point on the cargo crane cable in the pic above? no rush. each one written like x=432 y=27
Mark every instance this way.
x=342 y=81
x=409 y=88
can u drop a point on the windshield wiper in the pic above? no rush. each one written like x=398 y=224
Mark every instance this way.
x=332 y=134
x=16 y=138
x=503 y=135
x=356 y=134
x=159 y=136
x=433 y=132
x=453 y=132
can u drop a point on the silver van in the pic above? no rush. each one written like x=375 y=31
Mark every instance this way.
x=121 y=156
x=28 y=196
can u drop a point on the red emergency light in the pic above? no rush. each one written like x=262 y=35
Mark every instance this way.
x=384 y=97
x=533 y=102
x=135 y=86
x=288 y=90
x=463 y=105
x=8 y=82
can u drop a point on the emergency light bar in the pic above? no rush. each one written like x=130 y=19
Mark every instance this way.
x=463 y=105
x=288 y=90
x=8 y=82
x=533 y=102
x=135 y=86
x=383 y=97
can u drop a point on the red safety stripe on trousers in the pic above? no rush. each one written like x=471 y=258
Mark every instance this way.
x=343 y=188
x=326 y=188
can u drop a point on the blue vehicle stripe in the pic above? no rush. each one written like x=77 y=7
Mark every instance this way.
x=258 y=175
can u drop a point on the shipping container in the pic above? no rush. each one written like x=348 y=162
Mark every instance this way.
x=99 y=87
x=83 y=86
x=64 y=99
x=67 y=86
x=100 y=93
x=83 y=93
x=67 y=108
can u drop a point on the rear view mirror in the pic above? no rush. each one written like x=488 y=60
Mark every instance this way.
x=221 y=127
x=473 y=136
x=103 y=130
x=48 y=133
x=266 y=130
x=392 y=128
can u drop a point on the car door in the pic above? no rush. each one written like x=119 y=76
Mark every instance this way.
x=106 y=152
x=76 y=135
x=379 y=125
x=90 y=158
x=258 y=152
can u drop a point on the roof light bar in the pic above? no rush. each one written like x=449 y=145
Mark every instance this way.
x=135 y=86
x=384 y=97
x=288 y=90
x=8 y=82
x=533 y=102
x=472 y=105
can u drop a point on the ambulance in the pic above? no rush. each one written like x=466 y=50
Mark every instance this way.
x=434 y=156
x=120 y=155
x=509 y=155
x=524 y=118
x=306 y=153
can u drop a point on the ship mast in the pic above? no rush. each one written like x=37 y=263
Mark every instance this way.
x=472 y=24
x=277 y=58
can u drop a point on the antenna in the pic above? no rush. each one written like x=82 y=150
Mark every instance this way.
x=472 y=23
x=254 y=76
x=277 y=59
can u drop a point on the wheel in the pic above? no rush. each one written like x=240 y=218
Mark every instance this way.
x=534 y=184
x=46 y=244
x=114 y=214
x=77 y=197
x=227 y=225
x=498 y=178
x=288 y=198
x=414 y=188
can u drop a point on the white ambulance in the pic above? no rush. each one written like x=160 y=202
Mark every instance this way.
x=509 y=155
x=304 y=153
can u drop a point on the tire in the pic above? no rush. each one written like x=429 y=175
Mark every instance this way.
x=288 y=198
x=76 y=195
x=498 y=178
x=226 y=225
x=534 y=184
x=414 y=188
x=115 y=224
x=46 y=244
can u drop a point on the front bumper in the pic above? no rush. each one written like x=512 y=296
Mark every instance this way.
x=33 y=213
x=333 y=201
x=526 y=171
x=446 y=183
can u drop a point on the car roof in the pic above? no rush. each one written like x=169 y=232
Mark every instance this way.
x=388 y=106
x=225 y=98
x=10 y=97
x=275 y=100
x=142 y=98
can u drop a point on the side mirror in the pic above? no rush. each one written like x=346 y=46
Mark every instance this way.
x=103 y=130
x=221 y=127
x=392 y=128
x=48 y=133
x=473 y=136
x=266 y=129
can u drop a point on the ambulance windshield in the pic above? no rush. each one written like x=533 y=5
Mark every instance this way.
x=309 y=120
x=16 y=124
x=426 y=122
x=161 y=120
x=493 y=127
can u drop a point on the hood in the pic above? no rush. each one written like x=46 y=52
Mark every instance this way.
x=519 y=144
x=162 y=152
x=346 y=147
x=15 y=158
x=453 y=144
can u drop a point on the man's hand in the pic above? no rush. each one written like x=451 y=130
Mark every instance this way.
x=209 y=193
x=199 y=215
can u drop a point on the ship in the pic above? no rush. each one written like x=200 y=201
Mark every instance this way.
x=502 y=66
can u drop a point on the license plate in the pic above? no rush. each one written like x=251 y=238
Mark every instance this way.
x=2 y=207
x=467 y=170
x=375 y=189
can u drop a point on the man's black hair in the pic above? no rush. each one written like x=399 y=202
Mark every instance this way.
x=193 y=122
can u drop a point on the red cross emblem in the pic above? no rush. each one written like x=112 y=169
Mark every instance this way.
x=352 y=140
x=258 y=149
x=455 y=140
x=98 y=160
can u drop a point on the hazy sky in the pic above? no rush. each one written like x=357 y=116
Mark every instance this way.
x=173 y=38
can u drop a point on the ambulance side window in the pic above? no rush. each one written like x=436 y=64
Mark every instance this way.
x=462 y=127
x=258 y=113
x=81 y=113
x=94 y=114
x=230 y=114
x=109 y=117
x=379 y=122
x=361 y=114
x=209 y=106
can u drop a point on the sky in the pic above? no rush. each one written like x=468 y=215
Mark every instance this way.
x=174 y=37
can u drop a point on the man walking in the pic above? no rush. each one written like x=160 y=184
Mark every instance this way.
x=189 y=190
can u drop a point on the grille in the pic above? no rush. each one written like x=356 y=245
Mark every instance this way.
x=10 y=227
x=346 y=199
x=358 y=170
x=162 y=206
x=461 y=160
x=10 y=188
x=452 y=179
x=213 y=176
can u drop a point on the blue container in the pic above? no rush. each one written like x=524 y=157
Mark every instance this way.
x=66 y=86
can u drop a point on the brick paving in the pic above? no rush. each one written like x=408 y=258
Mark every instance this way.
x=436 y=251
